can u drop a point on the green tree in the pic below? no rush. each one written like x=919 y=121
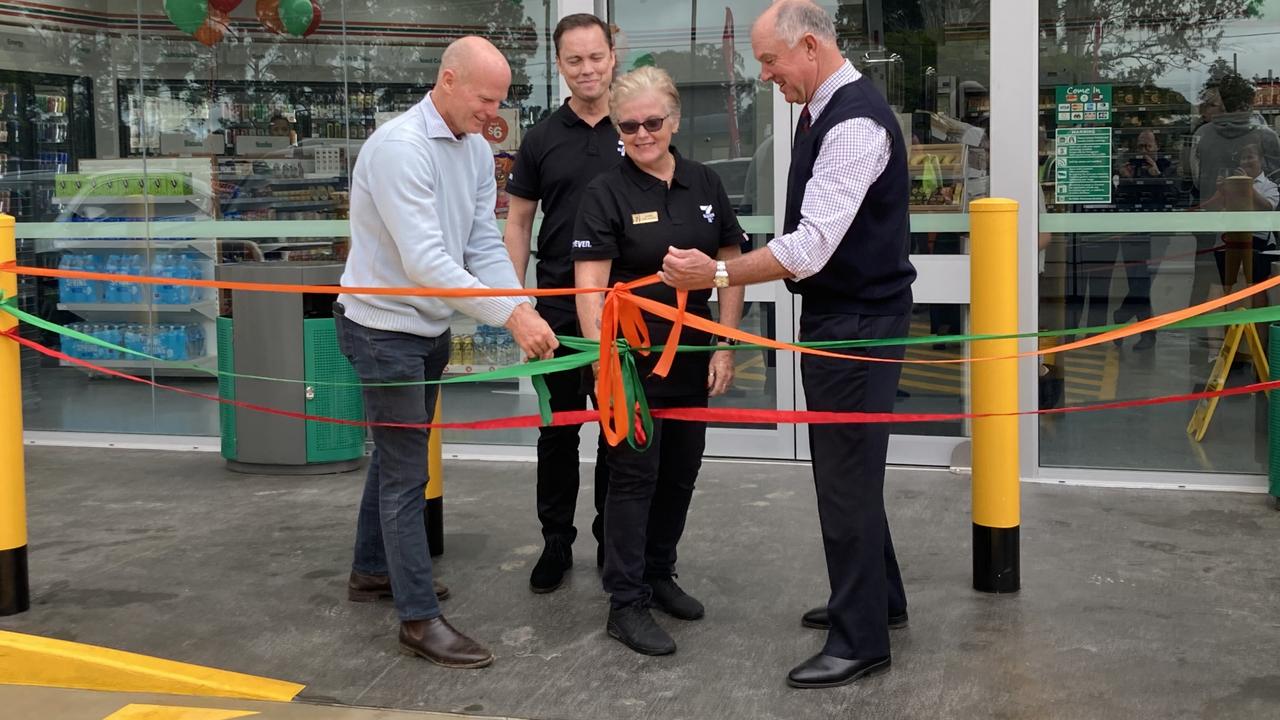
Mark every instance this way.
x=1135 y=41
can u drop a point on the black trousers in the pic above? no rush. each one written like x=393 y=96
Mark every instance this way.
x=649 y=495
x=848 y=471
x=1134 y=253
x=558 y=446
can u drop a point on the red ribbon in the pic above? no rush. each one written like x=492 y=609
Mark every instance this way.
x=698 y=414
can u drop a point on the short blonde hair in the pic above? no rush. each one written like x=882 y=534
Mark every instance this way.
x=640 y=82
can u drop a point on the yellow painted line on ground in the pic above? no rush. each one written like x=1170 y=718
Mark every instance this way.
x=136 y=711
x=955 y=374
x=918 y=385
x=33 y=660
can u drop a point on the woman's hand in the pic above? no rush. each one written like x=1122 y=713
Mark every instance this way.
x=720 y=375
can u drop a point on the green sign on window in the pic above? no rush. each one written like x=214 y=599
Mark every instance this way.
x=1082 y=165
x=1089 y=103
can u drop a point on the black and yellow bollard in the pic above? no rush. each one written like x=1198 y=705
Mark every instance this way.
x=15 y=590
x=993 y=271
x=433 y=515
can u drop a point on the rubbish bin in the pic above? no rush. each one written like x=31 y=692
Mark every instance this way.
x=286 y=335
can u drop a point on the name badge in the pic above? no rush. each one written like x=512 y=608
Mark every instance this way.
x=644 y=218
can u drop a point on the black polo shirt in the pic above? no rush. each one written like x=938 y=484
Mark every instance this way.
x=631 y=217
x=557 y=158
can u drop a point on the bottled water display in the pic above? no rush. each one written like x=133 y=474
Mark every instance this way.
x=167 y=341
x=178 y=265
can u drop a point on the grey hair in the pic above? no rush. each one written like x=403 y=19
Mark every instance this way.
x=640 y=81
x=797 y=17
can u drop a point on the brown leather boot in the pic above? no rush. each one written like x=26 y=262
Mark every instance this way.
x=436 y=640
x=368 y=588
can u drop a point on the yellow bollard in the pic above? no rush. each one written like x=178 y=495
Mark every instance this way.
x=15 y=593
x=993 y=272
x=433 y=515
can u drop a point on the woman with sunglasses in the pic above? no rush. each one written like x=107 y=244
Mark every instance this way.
x=630 y=215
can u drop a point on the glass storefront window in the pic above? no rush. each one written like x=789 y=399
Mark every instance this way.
x=150 y=153
x=1159 y=163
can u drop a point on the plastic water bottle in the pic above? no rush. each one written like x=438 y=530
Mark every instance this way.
x=178 y=342
x=195 y=341
x=66 y=286
x=111 y=293
x=135 y=288
x=158 y=292
x=89 y=288
x=136 y=337
x=182 y=270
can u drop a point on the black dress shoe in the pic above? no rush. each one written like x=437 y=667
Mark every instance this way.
x=635 y=627
x=548 y=573
x=825 y=671
x=672 y=600
x=819 y=619
x=368 y=588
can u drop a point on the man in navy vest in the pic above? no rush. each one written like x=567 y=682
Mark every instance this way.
x=844 y=252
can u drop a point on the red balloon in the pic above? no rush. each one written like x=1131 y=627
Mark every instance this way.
x=315 y=19
x=225 y=6
x=268 y=12
x=218 y=18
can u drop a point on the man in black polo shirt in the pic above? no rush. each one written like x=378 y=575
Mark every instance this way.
x=845 y=252
x=557 y=159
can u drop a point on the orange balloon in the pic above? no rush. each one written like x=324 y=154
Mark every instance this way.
x=269 y=15
x=210 y=33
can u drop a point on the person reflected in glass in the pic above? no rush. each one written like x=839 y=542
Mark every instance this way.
x=1261 y=195
x=1217 y=153
x=655 y=199
x=1137 y=188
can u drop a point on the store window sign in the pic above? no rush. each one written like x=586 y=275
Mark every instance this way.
x=1082 y=165
x=503 y=131
x=1087 y=104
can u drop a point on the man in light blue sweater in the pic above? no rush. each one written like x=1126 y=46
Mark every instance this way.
x=422 y=215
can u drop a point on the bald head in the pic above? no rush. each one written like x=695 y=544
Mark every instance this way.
x=473 y=54
x=474 y=78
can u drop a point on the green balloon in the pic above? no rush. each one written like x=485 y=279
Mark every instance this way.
x=296 y=16
x=188 y=15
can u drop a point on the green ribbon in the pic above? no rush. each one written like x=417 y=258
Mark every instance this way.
x=588 y=351
x=531 y=369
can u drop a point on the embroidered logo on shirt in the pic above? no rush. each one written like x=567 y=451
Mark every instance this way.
x=582 y=243
x=622 y=149
x=643 y=218
x=707 y=213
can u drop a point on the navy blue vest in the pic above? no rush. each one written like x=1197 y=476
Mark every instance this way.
x=870 y=273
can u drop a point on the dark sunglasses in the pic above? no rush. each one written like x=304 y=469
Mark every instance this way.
x=631 y=127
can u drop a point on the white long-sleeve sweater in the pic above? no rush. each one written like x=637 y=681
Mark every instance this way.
x=422 y=204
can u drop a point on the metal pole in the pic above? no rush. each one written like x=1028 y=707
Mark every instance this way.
x=993 y=264
x=15 y=590
x=433 y=515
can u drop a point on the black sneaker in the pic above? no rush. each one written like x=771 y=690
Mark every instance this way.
x=635 y=627
x=548 y=574
x=670 y=599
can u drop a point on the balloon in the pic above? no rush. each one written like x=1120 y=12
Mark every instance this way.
x=225 y=6
x=214 y=27
x=188 y=15
x=219 y=19
x=269 y=15
x=296 y=15
x=315 y=19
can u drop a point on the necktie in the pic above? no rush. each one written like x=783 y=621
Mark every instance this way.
x=802 y=127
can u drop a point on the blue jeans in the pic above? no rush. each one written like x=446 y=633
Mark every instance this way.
x=391 y=535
